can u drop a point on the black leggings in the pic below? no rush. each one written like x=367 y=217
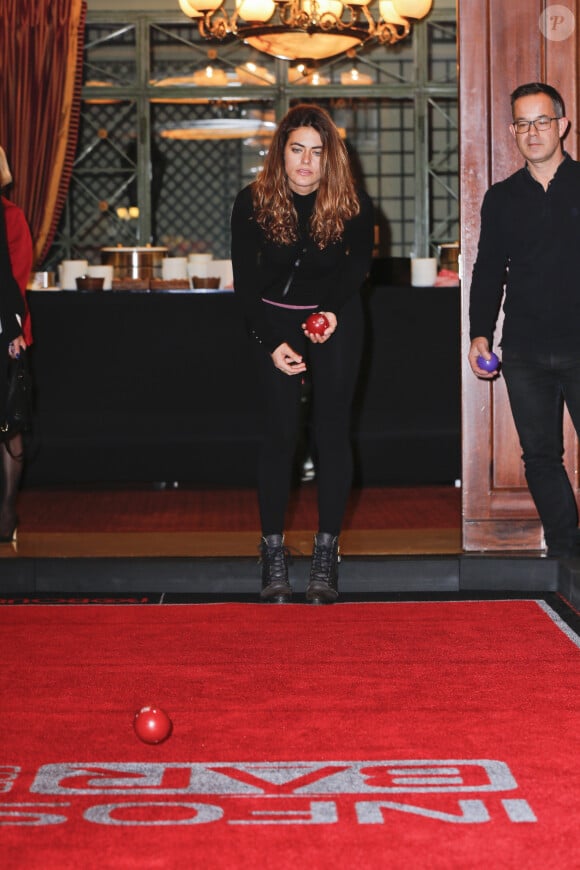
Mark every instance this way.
x=333 y=369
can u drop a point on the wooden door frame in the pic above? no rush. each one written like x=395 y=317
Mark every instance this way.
x=500 y=46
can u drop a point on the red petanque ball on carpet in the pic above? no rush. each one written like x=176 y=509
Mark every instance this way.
x=152 y=725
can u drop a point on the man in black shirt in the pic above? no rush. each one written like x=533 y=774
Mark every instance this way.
x=529 y=249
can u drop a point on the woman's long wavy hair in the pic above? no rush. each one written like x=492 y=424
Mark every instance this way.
x=336 y=201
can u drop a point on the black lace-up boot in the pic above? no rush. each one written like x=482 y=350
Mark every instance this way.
x=323 y=584
x=276 y=588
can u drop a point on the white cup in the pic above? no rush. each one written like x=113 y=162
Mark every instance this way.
x=105 y=272
x=69 y=271
x=198 y=264
x=423 y=271
x=223 y=268
x=200 y=270
x=173 y=268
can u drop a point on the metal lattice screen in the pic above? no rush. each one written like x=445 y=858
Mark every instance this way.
x=103 y=173
x=195 y=179
x=152 y=169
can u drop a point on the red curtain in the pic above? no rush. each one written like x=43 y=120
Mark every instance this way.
x=41 y=43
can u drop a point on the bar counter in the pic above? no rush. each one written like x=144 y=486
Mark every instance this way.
x=154 y=387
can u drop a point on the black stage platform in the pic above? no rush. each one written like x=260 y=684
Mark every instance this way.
x=359 y=576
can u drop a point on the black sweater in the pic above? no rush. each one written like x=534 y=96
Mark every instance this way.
x=325 y=279
x=530 y=241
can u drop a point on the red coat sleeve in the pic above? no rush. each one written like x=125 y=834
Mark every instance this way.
x=21 y=255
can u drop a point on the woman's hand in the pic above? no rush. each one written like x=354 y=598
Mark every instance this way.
x=15 y=347
x=314 y=337
x=287 y=360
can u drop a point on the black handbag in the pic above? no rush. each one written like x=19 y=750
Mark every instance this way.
x=18 y=411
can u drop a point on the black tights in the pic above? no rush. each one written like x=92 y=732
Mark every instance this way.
x=333 y=369
x=11 y=459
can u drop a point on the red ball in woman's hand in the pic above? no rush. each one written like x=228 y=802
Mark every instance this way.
x=317 y=324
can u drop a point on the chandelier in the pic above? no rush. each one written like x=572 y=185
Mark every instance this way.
x=307 y=29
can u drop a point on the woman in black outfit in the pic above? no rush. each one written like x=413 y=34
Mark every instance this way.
x=302 y=239
x=15 y=335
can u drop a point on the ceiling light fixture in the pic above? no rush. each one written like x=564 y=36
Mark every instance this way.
x=306 y=29
x=355 y=77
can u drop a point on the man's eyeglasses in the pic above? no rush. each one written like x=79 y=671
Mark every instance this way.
x=539 y=124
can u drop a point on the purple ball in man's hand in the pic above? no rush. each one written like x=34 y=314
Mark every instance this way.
x=488 y=365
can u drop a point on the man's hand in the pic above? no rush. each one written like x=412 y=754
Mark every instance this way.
x=480 y=347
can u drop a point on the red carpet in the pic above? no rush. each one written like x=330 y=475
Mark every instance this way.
x=401 y=735
x=183 y=510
